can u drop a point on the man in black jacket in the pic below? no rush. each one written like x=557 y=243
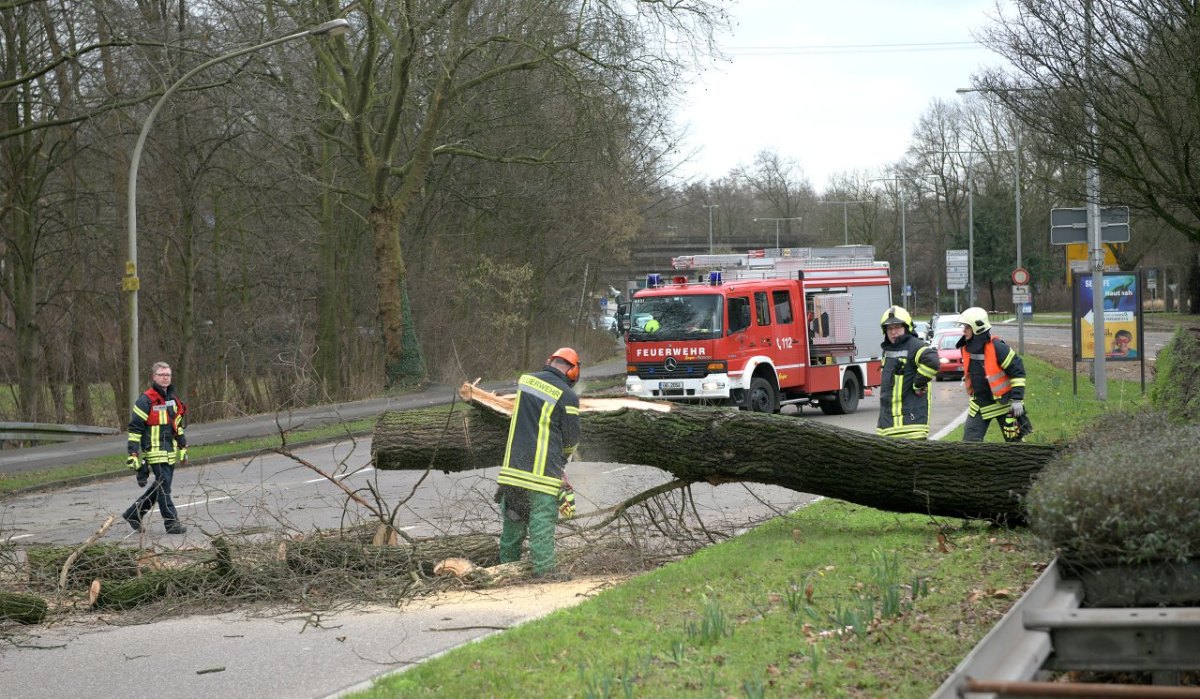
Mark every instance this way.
x=156 y=443
x=908 y=366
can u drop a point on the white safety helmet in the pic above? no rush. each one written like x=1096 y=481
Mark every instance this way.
x=976 y=319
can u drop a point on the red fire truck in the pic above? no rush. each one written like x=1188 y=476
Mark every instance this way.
x=761 y=330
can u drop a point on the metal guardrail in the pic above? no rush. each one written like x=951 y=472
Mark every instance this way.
x=1047 y=630
x=46 y=432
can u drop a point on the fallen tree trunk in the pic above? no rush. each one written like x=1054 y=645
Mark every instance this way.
x=713 y=445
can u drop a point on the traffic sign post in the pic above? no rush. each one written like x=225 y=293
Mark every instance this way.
x=957 y=273
x=1070 y=225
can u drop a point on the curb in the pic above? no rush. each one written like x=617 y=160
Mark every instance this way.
x=204 y=461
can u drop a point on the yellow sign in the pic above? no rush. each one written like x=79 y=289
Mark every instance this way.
x=1077 y=260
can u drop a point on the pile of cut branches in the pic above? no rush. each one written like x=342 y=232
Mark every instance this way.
x=317 y=571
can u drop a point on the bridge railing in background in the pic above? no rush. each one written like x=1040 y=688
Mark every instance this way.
x=45 y=432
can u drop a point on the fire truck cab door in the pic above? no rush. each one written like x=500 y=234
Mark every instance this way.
x=787 y=334
x=770 y=331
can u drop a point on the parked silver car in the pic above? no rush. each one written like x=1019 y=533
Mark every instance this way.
x=942 y=322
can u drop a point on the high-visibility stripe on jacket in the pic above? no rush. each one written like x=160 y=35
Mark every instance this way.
x=907 y=365
x=156 y=427
x=542 y=434
x=993 y=377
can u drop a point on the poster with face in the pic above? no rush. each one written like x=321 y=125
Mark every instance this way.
x=1122 y=304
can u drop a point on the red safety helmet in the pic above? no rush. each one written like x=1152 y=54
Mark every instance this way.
x=569 y=356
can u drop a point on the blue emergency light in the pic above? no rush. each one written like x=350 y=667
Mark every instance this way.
x=653 y=281
x=714 y=278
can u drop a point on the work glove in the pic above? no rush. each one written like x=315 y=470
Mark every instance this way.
x=920 y=390
x=183 y=455
x=1017 y=408
x=566 y=502
x=1011 y=429
x=143 y=475
x=133 y=463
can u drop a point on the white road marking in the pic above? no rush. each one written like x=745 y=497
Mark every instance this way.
x=341 y=476
x=950 y=428
x=203 y=502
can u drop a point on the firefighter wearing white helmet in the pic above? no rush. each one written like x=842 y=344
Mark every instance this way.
x=994 y=377
x=908 y=366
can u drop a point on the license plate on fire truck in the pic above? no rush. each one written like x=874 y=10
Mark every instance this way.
x=668 y=385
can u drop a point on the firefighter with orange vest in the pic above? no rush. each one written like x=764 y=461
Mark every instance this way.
x=543 y=433
x=994 y=377
x=908 y=366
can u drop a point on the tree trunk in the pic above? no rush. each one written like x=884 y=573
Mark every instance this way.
x=953 y=479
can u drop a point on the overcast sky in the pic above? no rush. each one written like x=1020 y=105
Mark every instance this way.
x=837 y=86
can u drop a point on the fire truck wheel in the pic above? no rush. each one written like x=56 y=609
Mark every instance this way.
x=761 y=397
x=844 y=401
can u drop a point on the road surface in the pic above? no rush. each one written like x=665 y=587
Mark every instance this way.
x=292 y=654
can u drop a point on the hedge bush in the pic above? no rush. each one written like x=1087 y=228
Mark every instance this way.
x=1176 y=388
x=1126 y=494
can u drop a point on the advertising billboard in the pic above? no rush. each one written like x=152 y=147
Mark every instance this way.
x=1122 y=317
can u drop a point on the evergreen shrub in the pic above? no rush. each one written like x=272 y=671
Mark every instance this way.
x=1126 y=494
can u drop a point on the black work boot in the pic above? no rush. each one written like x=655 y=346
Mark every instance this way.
x=174 y=527
x=134 y=522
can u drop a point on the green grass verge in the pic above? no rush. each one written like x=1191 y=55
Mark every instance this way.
x=1055 y=409
x=766 y=614
x=114 y=466
x=834 y=599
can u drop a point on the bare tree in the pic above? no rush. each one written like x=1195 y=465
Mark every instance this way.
x=781 y=188
x=415 y=69
x=1111 y=84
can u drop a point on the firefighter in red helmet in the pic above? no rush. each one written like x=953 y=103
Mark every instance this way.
x=543 y=434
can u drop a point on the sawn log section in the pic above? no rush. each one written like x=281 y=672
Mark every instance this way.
x=714 y=445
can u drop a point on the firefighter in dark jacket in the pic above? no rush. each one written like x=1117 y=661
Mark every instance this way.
x=543 y=433
x=994 y=377
x=156 y=443
x=908 y=366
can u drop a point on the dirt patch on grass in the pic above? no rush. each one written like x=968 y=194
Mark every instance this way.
x=1060 y=357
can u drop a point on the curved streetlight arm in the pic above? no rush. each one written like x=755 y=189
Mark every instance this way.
x=130 y=282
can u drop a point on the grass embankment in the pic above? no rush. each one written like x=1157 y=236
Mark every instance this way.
x=832 y=600
x=114 y=466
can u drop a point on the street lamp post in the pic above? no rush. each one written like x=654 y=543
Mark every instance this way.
x=130 y=282
x=1017 y=197
x=710 y=207
x=777 y=220
x=971 y=211
x=845 y=217
x=903 y=231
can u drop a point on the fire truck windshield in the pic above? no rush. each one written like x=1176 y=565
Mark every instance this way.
x=683 y=317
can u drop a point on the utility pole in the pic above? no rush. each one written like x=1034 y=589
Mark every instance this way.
x=710 y=207
x=1095 y=239
x=777 y=220
x=845 y=217
x=903 y=229
x=1017 y=197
